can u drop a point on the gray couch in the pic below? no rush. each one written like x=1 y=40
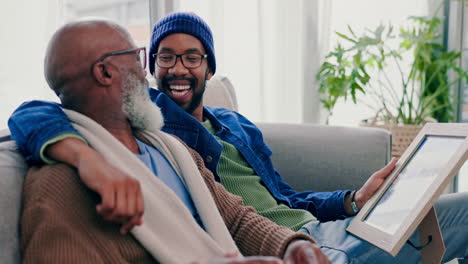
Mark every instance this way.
x=309 y=157
x=12 y=171
x=326 y=158
x=314 y=157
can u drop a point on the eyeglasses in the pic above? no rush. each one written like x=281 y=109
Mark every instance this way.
x=189 y=60
x=140 y=55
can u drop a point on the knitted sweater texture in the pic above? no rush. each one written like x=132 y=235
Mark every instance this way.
x=59 y=223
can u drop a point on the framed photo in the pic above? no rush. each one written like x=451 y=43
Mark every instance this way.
x=421 y=174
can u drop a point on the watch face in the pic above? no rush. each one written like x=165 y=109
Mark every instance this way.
x=354 y=207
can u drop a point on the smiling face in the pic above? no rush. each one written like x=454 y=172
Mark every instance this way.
x=184 y=86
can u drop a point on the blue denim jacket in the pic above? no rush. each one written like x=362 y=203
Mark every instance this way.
x=36 y=122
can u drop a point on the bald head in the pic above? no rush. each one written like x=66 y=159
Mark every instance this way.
x=113 y=90
x=76 y=46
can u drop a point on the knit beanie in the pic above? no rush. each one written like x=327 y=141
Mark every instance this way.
x=182 y=22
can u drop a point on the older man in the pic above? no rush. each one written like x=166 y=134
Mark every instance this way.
x=182 y=59
x=95 y=69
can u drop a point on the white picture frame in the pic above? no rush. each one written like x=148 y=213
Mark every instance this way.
x=420 y=176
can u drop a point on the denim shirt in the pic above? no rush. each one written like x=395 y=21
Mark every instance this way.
x=35 y=123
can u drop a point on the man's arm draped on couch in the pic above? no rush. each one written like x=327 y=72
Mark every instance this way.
x=36 y=125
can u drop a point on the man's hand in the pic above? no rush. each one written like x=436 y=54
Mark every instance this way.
x=373 y=184
x=304 y=252
x=298 y=252
x=121 y=196
x=247 y=260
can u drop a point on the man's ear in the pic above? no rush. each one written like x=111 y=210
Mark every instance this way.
x=208 y=74
x=102 y=73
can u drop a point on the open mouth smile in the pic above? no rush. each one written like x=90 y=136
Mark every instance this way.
x=179 y=90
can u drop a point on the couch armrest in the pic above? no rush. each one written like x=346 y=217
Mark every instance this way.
x=12 y=171
x=4 y=135
x=326 y=158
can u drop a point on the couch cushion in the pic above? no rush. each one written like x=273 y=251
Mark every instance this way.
x=326 y=158
x=220 y=93
x=12 y=171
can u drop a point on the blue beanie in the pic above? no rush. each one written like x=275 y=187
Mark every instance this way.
x=182 y=22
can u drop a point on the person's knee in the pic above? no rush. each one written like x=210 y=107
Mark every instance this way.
x=452 y=201
x=452 y=212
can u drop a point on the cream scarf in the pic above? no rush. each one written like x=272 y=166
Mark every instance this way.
x=169 y=231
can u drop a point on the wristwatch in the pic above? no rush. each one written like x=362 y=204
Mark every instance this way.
x=354 y=206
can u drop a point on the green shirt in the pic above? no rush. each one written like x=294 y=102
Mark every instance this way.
x=240 y=179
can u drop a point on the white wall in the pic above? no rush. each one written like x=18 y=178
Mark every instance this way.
x=25 y=28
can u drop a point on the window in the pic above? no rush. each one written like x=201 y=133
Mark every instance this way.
x=132 y=14
x=457 y=39
x=362 y=14
x=21 y=71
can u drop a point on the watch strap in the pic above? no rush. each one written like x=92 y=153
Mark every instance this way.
x=354 y=206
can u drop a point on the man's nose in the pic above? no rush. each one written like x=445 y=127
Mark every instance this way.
x=178 y=68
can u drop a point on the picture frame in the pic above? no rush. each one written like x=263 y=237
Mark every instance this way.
x=408 y=194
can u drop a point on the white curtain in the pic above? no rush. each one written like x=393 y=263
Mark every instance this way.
x=317 y=15
x=458 y=40
x=271 y=50
x=25 y=29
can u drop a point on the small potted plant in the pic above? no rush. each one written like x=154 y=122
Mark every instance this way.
x=360 y=66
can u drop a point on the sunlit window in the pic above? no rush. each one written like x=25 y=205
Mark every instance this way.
x=132 y=14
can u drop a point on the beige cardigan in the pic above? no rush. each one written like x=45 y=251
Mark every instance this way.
x=59 y=224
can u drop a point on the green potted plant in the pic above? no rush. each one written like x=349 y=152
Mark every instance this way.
x=360 y=66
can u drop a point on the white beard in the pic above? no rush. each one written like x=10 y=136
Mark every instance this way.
x=138 y=107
